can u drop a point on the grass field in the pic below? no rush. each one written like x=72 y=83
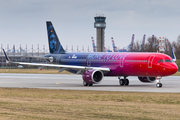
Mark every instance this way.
x=41 y=104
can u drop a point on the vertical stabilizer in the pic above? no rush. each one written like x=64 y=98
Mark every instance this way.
x=55 y=46
x=172 y=51
x=173 y=55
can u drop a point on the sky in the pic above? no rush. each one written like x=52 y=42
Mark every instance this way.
x=24 y=21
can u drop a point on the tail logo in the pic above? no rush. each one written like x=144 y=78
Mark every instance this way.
x=53 y=45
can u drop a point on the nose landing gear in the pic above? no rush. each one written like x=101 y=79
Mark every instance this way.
x=159 y=84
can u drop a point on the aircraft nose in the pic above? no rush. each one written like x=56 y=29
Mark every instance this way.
x=174 y=69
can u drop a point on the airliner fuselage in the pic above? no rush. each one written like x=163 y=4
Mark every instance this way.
x=121 y=64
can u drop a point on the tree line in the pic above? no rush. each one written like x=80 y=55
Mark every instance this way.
x=152 y=45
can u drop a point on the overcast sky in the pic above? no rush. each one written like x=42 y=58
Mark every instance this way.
x=24 y=21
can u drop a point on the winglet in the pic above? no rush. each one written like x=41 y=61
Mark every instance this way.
x=173 y=55
x=7 y=58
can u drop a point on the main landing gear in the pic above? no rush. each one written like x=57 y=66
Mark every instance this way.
x=123 y=82
x=87 y=84
x=159 y=84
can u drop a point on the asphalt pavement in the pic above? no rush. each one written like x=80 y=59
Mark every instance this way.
x=171 y=84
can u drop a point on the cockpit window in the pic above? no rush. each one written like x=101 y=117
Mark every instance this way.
x=168 y=60
x=159 y=61
x=172 y=60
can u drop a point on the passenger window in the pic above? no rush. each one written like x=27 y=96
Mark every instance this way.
x=162 y=61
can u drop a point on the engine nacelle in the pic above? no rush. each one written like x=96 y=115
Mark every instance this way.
x=147 y=79
x=92 y=76
x=51 y=59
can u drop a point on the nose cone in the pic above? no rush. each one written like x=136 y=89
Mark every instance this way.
x=173 y=69
x=169 y=69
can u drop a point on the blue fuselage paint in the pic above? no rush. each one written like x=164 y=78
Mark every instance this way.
x=87 y=59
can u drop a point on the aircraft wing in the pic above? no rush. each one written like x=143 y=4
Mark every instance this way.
x=63 y=67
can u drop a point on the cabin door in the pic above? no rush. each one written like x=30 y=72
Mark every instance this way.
x=58 y=59
x=88 y=61
x=122 y=59
x=150 y=61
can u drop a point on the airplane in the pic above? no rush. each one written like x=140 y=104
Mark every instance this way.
x=93 y=66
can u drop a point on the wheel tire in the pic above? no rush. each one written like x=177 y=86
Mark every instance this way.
x=122 y=82
x=85 y=84
x=159 y=85
x=126 y=82
x=90 y=84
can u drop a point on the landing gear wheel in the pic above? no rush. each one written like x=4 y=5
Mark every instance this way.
x=126 y=82
x=90 y=84
x=85 y=83
x=122 y=82
x=159 y=85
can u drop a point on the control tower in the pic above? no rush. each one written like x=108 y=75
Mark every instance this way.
x=100 y=26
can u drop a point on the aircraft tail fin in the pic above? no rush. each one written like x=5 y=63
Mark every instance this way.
x=173 y=54
x=55 y=46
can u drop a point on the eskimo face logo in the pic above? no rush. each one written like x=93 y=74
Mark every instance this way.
x=74 y=56
x=53 y=45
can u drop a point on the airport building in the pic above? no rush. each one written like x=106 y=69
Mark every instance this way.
x=100 y=26
x=21 y=55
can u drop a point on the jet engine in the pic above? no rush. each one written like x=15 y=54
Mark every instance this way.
x=50 y=59
x=92 y=76
x=147 y=79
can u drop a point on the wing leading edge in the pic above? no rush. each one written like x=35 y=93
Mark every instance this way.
x=58 y=66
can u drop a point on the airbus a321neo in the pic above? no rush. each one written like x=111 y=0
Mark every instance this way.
x=93 y=66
